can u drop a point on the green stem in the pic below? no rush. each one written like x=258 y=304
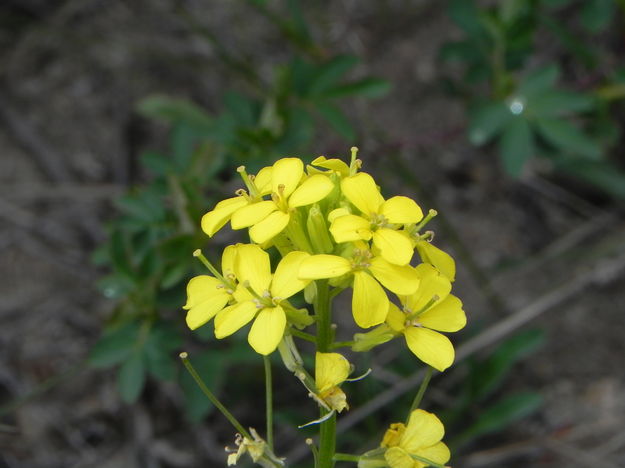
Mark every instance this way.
x=327 y=432
x=346 y=457
x=342 y=344
x=303 y=335
x=198 y=380
x=424 y=384
x=268 y=401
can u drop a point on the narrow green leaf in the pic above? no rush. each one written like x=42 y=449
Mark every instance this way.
x=337 y=120
x=516 y=145
x=367 y=87
x=131 y=377
x=539 y=81
x=244 y=109
x=157 y=163
x=114 y=346
x=559 y=102
x=330 y=72
x=599 y=173
x=173 y=110
x=490 y=373
x=487 y=120
x=568 y=138
x=503 y=413
x=596 y=15
x=466 y=15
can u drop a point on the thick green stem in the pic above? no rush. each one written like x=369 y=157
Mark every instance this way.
x=268 y=401
x=323 y=313
x=424 y=384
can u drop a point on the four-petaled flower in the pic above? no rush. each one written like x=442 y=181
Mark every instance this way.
x=268 y=218
x=370 y=303
x=207 y=295
x=331 y=370
x=379 y=221
x=416 y=444
x=261 y=297
x=428 y=309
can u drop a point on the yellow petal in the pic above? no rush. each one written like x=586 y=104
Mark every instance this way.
x=201 y=313
x=242 y=294
x=267 y=330
x=394 y=246
x=214 y=220
x=437 y=257
x=263 y=180
x=432 y=285
x=395 y=318
x=396 y=457
x=202 y=288
x=398 y=279
x=331 y=369
x=332 y=164
x=324 y=266
x=233 y=317
x=228 y=259
x=431 y=347
x=286 y=172
x=252 y=214
x=337 y=212
x=362 y=192
x=350 y=228
x=446 y=316
x=401 y=210
x=269 y=227
x=252 y=265
x=285 y=282
x=423 y=430
x=369 y=302
x=312 y=190
x=438 y=453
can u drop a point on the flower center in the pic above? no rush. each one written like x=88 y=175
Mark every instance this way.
x=361 y=259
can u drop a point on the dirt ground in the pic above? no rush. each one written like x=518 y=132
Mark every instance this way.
x=536 y=252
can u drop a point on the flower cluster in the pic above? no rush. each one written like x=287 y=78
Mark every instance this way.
x=333 y=230
x=328 y=221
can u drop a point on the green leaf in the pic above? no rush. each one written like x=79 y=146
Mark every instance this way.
x=601 y=174
x=162 y=341
x=572 y=42
x=244 y=109
x=302 y=74
x=367 y=87
x=568 y=138
x=210 y=366
x=596 y=15
x=461 y=51
x=173 y=110
x=115 y=286
x=516 y=145
x=120 y=254
x=511 y=10
x=487 y=120
x=559 y=102
x=299 y=129
x=330 y=72
x=184 y=141
x=539 y=81
x=466 y=15
x=131 y=377
x=503 y=413
x=157 y=163
x=337 y=120
x=115 y=346
x=489 y=374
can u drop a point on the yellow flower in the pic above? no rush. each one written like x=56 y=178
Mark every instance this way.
x=379 y=220
x=369 y=301
x=333 y=164
x=428 y=309
x=257 y=186
x=207 y=295
x=268 y=218
x=260 y=297
x=412 y=446
x=437 y=257
x=331 y=370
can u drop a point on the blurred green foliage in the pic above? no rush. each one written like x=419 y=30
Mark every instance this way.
x=522 y=106
x=148 y=252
